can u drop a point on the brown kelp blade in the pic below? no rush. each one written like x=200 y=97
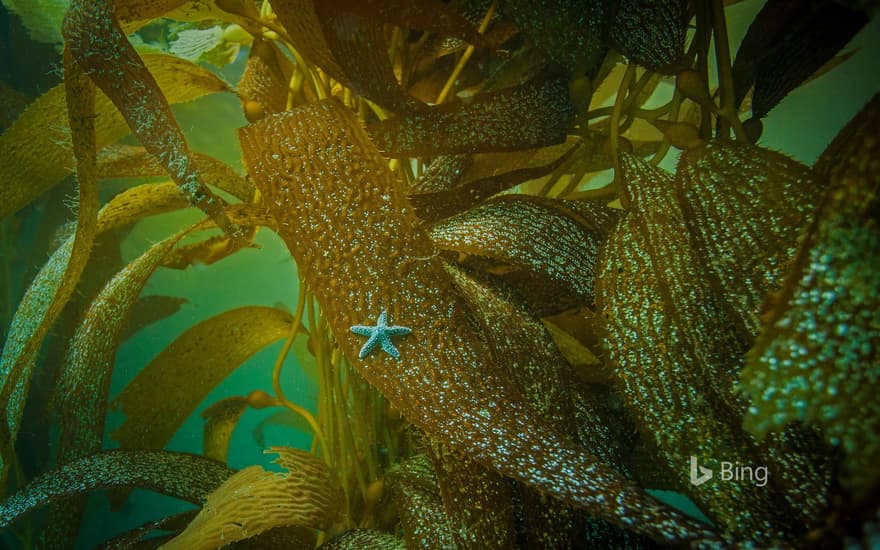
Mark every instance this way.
x=533 y=114
x=347 y=223
x=785 y=44
x=84 y=378
x=255 y=500
x=130 y=539
x=442 y=204
x=530 y=233
x=180 y=475
x=570 y=32
x=149 y=310
x=350 y=47
x=98 y=43
x=220 y=420
x=420 y=505
x=126 y=161
x=766 y=201
x=36 y=151
x=213 y=348
x=478 y=501
x=358 y=539
x=651 y=34
x=816 y=360
x=56 y=282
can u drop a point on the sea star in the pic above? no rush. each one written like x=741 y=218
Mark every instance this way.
x=380 y=334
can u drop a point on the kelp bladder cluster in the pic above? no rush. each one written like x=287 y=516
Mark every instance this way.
x=565 y=351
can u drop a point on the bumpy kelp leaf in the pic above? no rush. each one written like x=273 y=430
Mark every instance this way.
x=571 y=33
x=506 y=228
x=650 y=33
x=349 y=47
x=180 y=475
x=126 y=161
x=441 y=204
x=358 y=539
x=36 y=152
x=765 y=201
x=534 y=114
x=165 y=392
x=672 y=355
x=786 y=43
x=149 y=310
x=97 y=42
x=424 y=15
x=255 y=500
x=420 y=505
x=521 y=344
x=478 y=501
x=220 y=420
x=54 y=284
x=345 y=219
x=817 y=359
x=441 y=174
x=265 y=83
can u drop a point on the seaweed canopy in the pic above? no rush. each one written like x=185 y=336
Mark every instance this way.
x=505 y=353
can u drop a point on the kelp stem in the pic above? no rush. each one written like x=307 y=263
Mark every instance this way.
x=614 y=130
x=465 y=57
x=727 y=113
x=279 y=363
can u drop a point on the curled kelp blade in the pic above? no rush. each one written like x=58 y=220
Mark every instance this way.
x=36 y=151
x=766 y=201
x=55 y=283
x=84 y=378
x=345 y=218
x=441 y=174
x=285 y=418
x=530 y=233
x=420 y=505
x=816 y=360
x=666 y=340
x=786 y=43
x=220 y=420
x=131 y=540
x=114 y=65
x=571 y=33
x=651 y=34
x=350 y=47
x=213 y=348
x=208 y=251
x=478 y=501
x=442 y=204
x=180 y=475
x=126 y=161
x=534 y=114
x=255 y=500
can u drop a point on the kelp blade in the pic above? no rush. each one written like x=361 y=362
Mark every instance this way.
x=36 y=152
x=255 y=500
x=56 y=282
x=346 y=221
x=180 y=475
x=98 y=43
x=212 y=348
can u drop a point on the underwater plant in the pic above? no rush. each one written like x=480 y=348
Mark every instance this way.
x=509 y=351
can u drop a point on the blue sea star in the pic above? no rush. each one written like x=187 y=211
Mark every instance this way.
x=380 y=334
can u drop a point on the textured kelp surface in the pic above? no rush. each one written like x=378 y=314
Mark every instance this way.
x=508 y=323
